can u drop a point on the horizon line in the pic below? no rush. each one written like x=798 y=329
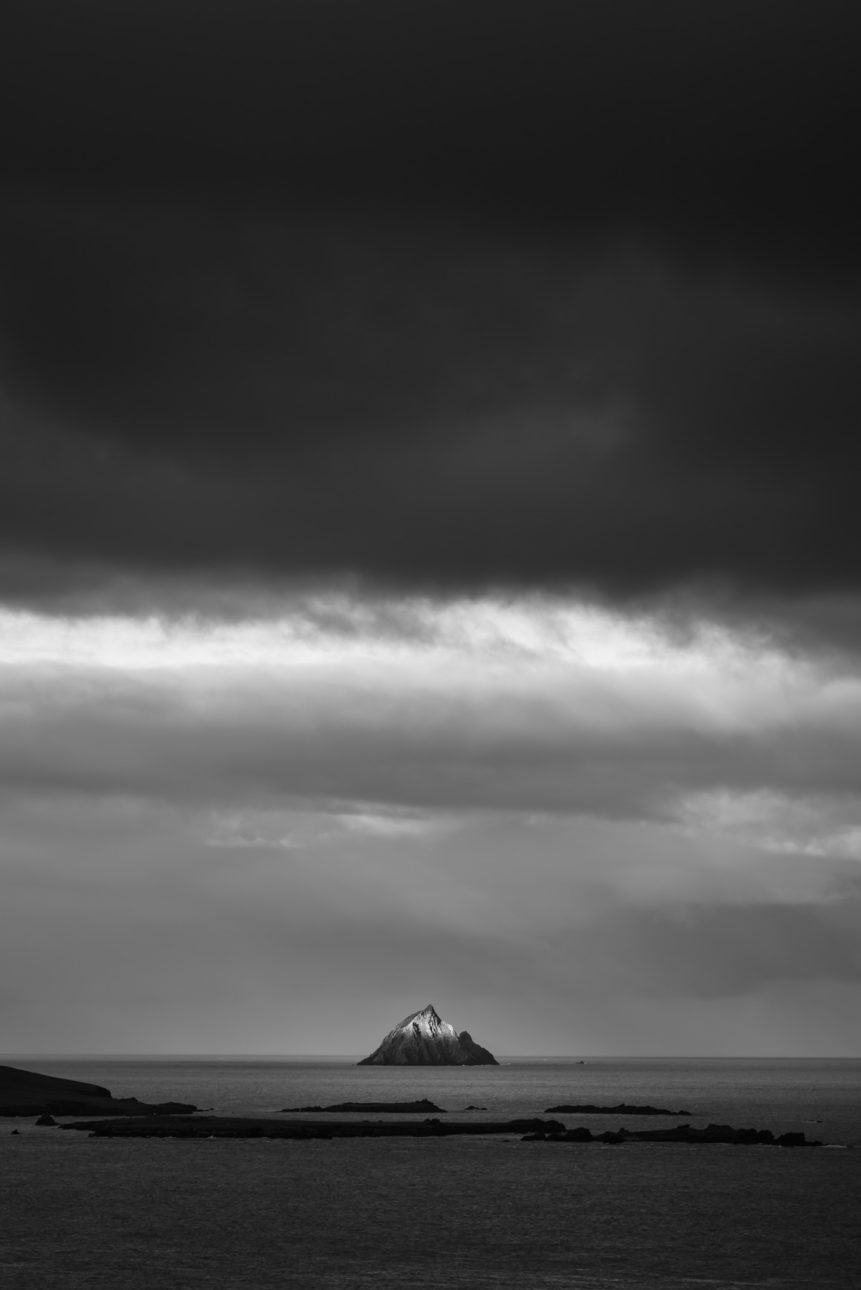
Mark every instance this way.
x=353 y=1057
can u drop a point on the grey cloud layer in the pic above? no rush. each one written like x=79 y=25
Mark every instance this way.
x=106 y=883
x=479 y=735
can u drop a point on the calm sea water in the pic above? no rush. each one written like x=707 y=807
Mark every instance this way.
x=79 y=1214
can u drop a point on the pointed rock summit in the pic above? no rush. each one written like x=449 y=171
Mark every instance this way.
x=424 y=1039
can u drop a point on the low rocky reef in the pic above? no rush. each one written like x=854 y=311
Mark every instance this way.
x=218 y=1126
x=623 y=1108
x=712 y=1133
x=25 y=1093
x=528 y=1130
x=422 y=1107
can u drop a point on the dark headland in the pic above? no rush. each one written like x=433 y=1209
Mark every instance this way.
x=24 y=1093
x=424 y=1039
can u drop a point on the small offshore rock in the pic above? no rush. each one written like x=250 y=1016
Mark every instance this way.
x=578 y=1135
x=795 y=1140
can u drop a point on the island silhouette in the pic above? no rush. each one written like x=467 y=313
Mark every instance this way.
x=424 y=1039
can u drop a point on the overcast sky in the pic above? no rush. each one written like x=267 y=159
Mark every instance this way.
x=429 y=557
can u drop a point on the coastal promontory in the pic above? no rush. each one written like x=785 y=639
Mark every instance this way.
x=424 y=1039
x=30 y=1093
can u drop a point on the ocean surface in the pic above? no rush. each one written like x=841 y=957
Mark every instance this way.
x=78 y=1213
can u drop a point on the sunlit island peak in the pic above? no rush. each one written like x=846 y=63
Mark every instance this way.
x=424 y=1039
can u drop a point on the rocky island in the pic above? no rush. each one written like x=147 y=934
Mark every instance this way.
x=24 y=1093
x=424 y=1039
x=622 y=1108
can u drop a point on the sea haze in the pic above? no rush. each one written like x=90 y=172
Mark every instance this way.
x=488 y=1212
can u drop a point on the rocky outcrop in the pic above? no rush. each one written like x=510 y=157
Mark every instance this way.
x=712 y=1133
x=476 y=1055
x=424 y=1039
x=587 y=1108
x=30 y=1093
x=392 y=1108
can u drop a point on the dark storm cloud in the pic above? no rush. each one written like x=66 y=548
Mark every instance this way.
x=714 y=116
x=474 y=295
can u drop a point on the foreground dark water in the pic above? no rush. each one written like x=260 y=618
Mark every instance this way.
x=79 y=1212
